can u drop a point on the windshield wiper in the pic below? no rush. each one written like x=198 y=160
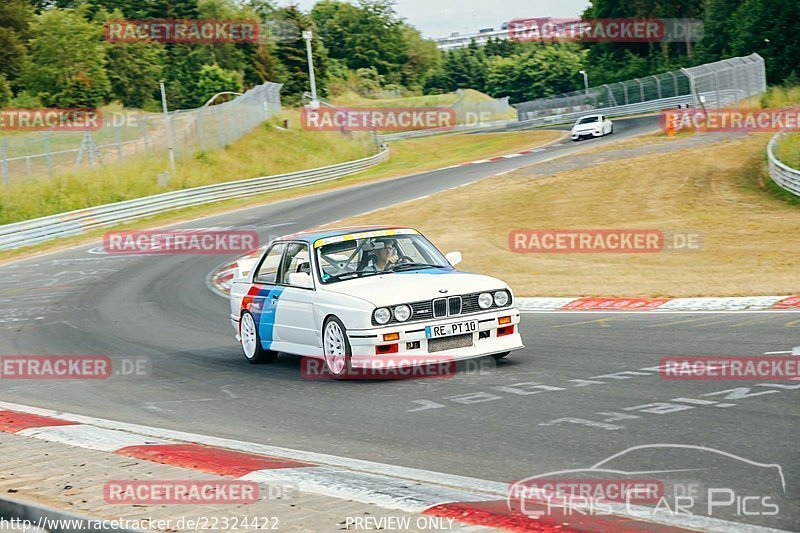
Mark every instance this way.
x=412 y=266
x=352 y=275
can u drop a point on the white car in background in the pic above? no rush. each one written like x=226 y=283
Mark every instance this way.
x=353 y=296
x=591 y=126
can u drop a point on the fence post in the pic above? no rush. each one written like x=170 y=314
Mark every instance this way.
x=144 y=135
x=675 y=81
x=4 y=157
x=658 y=86
x=220 y=130
x=198 y=121
x=49 y=153
x=118 y=137
x=692 y=87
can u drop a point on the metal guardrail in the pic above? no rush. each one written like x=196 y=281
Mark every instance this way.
x=710 y=99
x=785 y=176
x=77 y=222
x=459 y=128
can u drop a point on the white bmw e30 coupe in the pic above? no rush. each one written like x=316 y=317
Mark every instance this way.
x=354 y=295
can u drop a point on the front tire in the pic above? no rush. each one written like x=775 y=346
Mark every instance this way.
x=336 y=348
x=254 y=352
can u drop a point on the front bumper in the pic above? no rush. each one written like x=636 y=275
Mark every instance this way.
x=575 y=135
x=485 y=341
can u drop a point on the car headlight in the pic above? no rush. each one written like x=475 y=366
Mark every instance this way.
x=382 y=315
x=501 y=298
x=402 y=313
x=485 y=300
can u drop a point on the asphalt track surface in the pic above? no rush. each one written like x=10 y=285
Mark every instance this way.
x=575 y=396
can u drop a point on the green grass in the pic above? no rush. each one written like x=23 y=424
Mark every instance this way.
x=264 y=151
x=408 y=156
x=779 y=96
x=788 y=150
x=435 y=100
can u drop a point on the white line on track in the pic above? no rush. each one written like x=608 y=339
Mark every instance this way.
x=793 y=351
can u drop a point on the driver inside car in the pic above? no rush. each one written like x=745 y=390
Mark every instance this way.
x=384 y=255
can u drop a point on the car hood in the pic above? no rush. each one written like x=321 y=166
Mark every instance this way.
x=414 y=286
x=587 y=127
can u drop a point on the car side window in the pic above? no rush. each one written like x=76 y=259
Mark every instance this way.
x=296 y=259
x=268 y=270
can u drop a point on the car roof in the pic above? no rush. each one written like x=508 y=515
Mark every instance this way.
x=311 y=236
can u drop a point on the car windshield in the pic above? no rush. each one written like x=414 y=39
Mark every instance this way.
x=588 y=120
x=370 y=256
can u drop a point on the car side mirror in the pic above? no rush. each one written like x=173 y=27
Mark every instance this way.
x=301 y=279
x=453 y=258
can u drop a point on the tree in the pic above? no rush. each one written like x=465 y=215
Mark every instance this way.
x=5 y=91
x=213 y=79
x=770 y=28
x=292 y=55
x=364 y=36
x=422 y=58
x=543 y=71
x=134 y=69
x=67 y=60
x=15 y=18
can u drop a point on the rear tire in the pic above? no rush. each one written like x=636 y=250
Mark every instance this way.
x=254 y=352
x=500 y=355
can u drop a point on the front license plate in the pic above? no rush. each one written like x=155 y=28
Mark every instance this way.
x=446 y=330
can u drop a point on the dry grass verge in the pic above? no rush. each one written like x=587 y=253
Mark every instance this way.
x=751 y=235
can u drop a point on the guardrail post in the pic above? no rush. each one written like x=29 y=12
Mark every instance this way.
x=4 y=157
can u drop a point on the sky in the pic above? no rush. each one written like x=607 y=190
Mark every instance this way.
x=440 y=18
